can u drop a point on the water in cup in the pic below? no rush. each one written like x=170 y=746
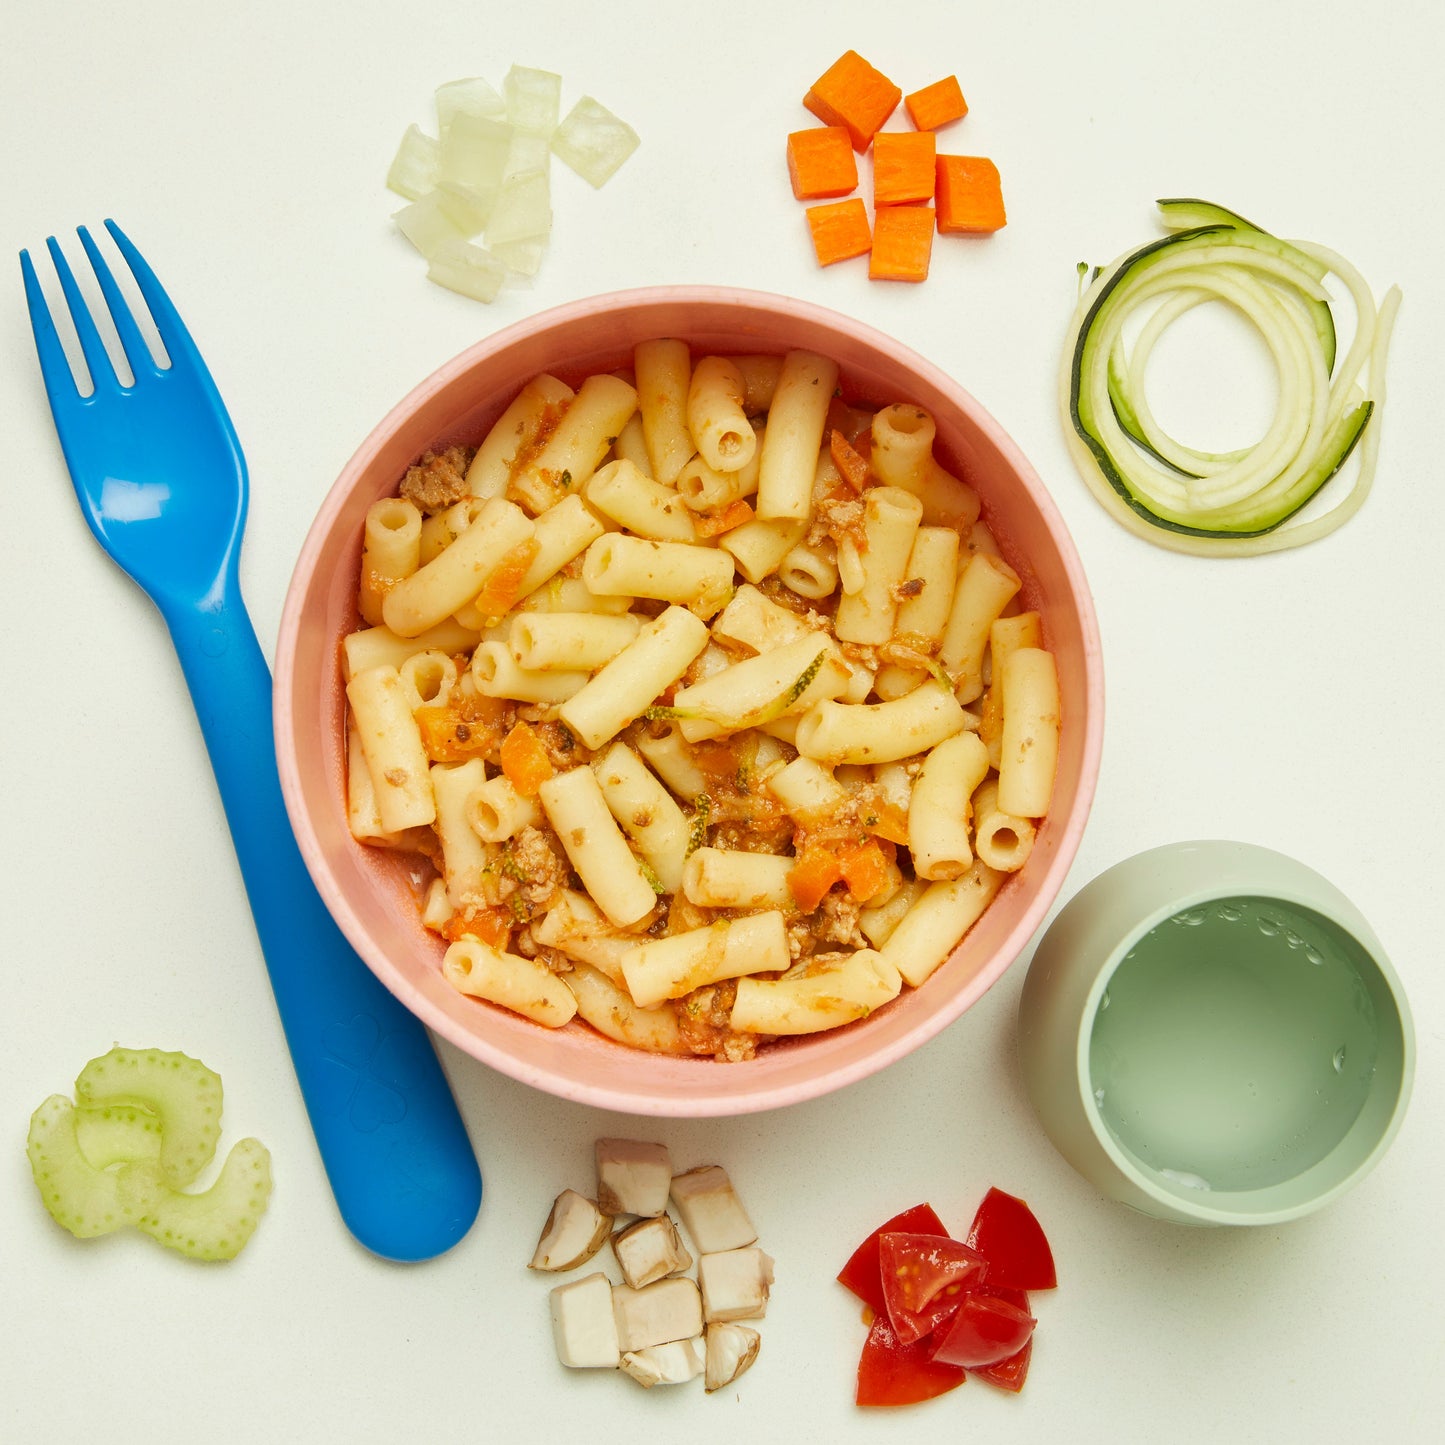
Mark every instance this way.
x=1235 y=1044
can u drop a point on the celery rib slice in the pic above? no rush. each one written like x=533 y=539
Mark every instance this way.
x=81 y=1198
x=212 y=1224
x=181 y=1091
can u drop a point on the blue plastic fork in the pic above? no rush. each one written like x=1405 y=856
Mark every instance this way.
x=162 y=482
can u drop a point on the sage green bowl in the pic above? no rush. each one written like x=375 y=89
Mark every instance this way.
x=1211 y=1033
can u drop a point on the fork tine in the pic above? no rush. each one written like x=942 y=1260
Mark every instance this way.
x=136 y=349
x=91 y=345
x=168 y=321
x=54 y=364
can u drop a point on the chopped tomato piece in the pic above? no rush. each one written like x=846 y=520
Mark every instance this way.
x=892 y=1373
x=985 y=1330
x=925 y=1277
x=1006 y=1234
x=863 y=1275
x=1011 y=1373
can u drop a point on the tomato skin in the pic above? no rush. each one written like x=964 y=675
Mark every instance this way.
x=1006 y=1234
x=986 y=1330
x=925 y=1278
x=892 y=1373
x=863 y=1274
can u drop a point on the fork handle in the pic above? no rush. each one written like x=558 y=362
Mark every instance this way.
x=401 y=1166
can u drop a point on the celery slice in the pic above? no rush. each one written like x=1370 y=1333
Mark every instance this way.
x=117 y=1134
x=81 y=1198
x=182 y=1091
x=213 y=1224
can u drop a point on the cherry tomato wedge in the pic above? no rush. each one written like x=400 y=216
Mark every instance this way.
x=891 y=1373
x=985 y=1330
x=1006 y=1234
x=924 y=1280
x=862 y=1273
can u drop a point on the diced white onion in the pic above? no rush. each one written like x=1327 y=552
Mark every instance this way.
x=593 y=141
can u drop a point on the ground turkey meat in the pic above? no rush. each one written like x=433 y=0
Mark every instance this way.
x=438 y=479
x=702 y=1019
x=534 y=872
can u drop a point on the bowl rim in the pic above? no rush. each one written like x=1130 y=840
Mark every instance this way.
x=685 y=1104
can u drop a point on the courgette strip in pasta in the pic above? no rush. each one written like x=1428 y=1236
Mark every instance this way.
x=1328 y=413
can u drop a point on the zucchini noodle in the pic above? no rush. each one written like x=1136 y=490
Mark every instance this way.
x=1234 y=503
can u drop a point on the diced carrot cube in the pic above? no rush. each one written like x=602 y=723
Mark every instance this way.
x=903 y=168
x=902 y=243
x=821 y=162
x=524 y=760
x=969 y=195
x=839 y=230
x=851 y=93
x=936 y=104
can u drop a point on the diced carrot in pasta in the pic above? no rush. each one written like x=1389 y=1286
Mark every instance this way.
x=864 y=869
x=454 y=732
x=525 y=763
x=853 y=94
x=733 y=515
x=839 y=230
x=821 y=162
x=889 y=822
x=902 y=243
x=503 y=586
x=492 y=925
x=936 y=104
x=853 y=466
x=815 y=872
x=969 y=195
x=903 y=167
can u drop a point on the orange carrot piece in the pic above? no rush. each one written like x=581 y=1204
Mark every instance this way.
x=451 y=734
x=821 y=162
x=864 y=869
x=492 y=925
x=903 y=167
x=504 y=581
x=851 y=93
x=970 y=196
x=732 y=515
x=839 y=230
x=888 y=821
x=902 y=243
x=525 y=763
x=848 y=461
x=936 y=104
x=814 y=873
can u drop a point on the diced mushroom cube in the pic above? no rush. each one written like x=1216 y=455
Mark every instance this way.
x=659 y=1313
x=574 y=1232
x=650 y=1250
x=584 y=1325
x=674 y=1363
x=633 y=1177
x=731 y=1350
x=711 y=1211
x=734 y=1284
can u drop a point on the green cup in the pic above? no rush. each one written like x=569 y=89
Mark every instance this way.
x=1211 y=1033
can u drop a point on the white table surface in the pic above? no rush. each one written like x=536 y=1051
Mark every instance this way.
x=1292 y=701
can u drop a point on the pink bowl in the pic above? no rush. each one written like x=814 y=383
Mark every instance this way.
x=373 y=894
